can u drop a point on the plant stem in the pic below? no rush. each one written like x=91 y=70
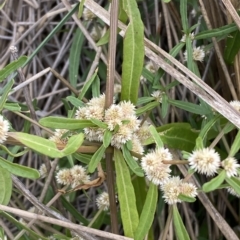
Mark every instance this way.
x=108 y=103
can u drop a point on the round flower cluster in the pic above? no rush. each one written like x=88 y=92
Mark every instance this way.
x=191 y=35
x=198 y=54
x=235 y=104
x=58 y=136
x=174 y=186
x=74 y=176
x=152 y=163
x=205 y=161
x=88 y=14
x=103 y=201
x=43 y=170
x=4 y=128
x=120 y=119
x=231 y=166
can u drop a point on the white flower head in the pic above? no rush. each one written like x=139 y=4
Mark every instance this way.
x=198 y=54
x=233 y=192
x=235 y=104
x=64 y=177
x=97 y=101
x=117 y=88
x=79 y=175
x=230 y=165
x=183 y=39
x=96 y=32
x=155 y=170
x=157 y=95
x=205 y=161
x=103 y=201
x=114 y=116
x=57 y=137
x=174 y=186
x=143 y=132
x=43 y=169
x=4 y=128
x=88 y=15
x=171 y=189
x=188 y=189
x=151 y=67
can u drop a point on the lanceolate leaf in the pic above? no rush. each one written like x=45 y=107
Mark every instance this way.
x=179 y=227
x=11 y=67
x=148 y=212
x=156 y=136
x=133 y=52
x=74 y=57
x=131 y=162
x=38 y=144
x=235 y=146
x=65 y=123
x=126 y=195
x=6 y=89
x=19 y=170
x=96 y=158
x=232 y=47
x=73 y=144
x=215 y=182
x=5 y=186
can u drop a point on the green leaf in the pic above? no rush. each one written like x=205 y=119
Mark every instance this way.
x=232 y=47
x=11 y=67
x=12 y=154
x=6 y=89
x=104 y=39
x=5 y=186
x=186 y=198
x=207 y=127
x=73 y=144
x=38 y=144
x=80 y=10
x=99 y=123
x=199 y=143
x=148 y=212
x=215 y=182
x=75 y=101
x=217 y=32
x=87 y=85
x=176 y=136
x=126 y=195
x=147 y=108
x=133 y=52
x=96 y=87
x=19 y=170
x=63 y=123
x=14 y=107
x=83 y=158
x=156 y=136
x=165 y=105
x=190 y=61
x=179 y=227
x=234 y=183
x=74 y=57
x=107 y=137
x=190 y=107
x=96 y=158
x=131 y=162
x=235 y=145
x=183 y=13
x=144 y=100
